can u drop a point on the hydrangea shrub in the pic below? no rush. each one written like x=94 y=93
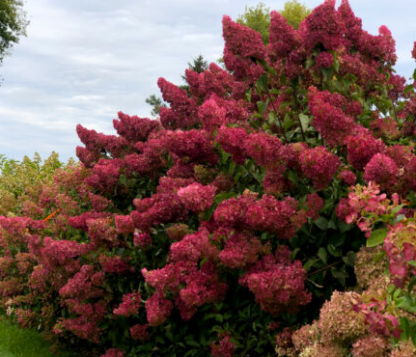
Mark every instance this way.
x=228 y=226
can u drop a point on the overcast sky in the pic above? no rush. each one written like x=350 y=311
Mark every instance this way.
x=85 y=60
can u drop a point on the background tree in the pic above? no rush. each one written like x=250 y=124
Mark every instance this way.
x=295 y=12
x=156 y=103
x=257 y=18
x=198 y=65
x=13 y=24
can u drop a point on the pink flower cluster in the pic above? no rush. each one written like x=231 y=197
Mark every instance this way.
x=319 y=165
x=224 y=348
x=361 y=148
x=263 y=148
x=401 y=249
x=242 y=47
x=130 y=305
x=241 y=250
x=283 y=38
x=280 y=217
x=113 y=352
x=364 y=205
x=158 y=309
x=277 y=283
x=212 y=115
x=328 y=118
x=233 y=140
x=380 y=322
x=382 y=170
x=183 y=111
x=196 y=197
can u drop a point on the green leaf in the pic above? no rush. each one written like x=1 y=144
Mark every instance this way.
x=405 y=327
x=288 y=122
x=123 y=180
x=397 y=209
x=328 y=73
x=411 y=285
x=271 y=117
x=400 y=218
x=334 y=251
x=219 y=318
x=231 y=168
x=339 y=274
x=248 y=95
x=332 y=225
x=397 y=293
x=293 y=176
x=310 y=263
x=305 y=121
x=262 y=83
x=286 y=104
x=224 y=196
x=336 y=65
x=191 y=342
x=309 y=63
x=268 y=68
x=294 y=253
x=343 y=227
x=349 y=259
x=323 y=255
x=262 y=106
x=379 y=256
x=413 y=335
x=409 y=88
x=377 y=237
x=321 y=223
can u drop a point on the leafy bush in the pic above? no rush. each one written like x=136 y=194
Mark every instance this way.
x=20 y=182
x=229 y=227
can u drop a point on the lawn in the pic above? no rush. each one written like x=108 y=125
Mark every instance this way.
x=17 y=342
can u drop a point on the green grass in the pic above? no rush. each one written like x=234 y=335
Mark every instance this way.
x=17 y=342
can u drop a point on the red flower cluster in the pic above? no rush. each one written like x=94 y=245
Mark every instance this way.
x=277 y=283
x=279 y=217
x=129 y=306
x=382 y=170
x=328 y=118
x=242 y=47
x=196 y=197
x=319 y=165
x=224 y=348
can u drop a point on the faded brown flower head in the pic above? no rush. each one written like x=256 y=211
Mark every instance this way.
x=377 y=289
x=338 y=322
x=370 y=346
x=319 y=350
x=367 y=268
x=404 y=349
x=306 y=336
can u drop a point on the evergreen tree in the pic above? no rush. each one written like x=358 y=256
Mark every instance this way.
x=156 y=103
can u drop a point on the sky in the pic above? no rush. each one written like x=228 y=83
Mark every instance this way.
x=84 y=60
